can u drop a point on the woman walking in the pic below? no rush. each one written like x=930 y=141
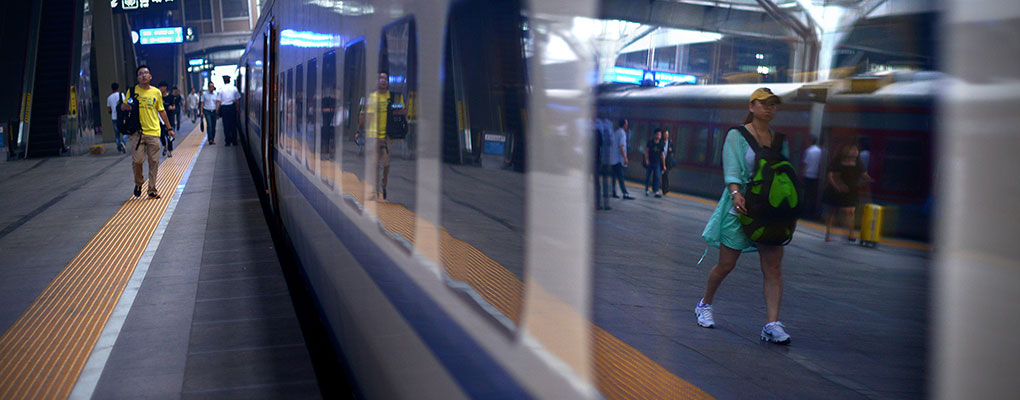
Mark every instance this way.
x=724 y=229
x=842 y=190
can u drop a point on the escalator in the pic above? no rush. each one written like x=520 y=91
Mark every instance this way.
x=52 y=79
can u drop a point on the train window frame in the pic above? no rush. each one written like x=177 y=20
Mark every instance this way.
x=718 y=139
x=327 y=130
x=701 y=146
x=289 y=112
x=681 y=144
x=299 y=112
x=353 y=89
x=311 y=114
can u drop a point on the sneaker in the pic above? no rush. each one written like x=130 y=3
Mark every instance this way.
x=628 y=197
x=648 y=192
x=773 y=332
x=138 y=191
x=164 y=153
x=616 y=196
x=658 y=194
x=170 y=155
x=704 y=313
x=154 y=195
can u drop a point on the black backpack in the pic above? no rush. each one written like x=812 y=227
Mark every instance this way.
x=396 y=118
x=773 y=195
x=128 y=122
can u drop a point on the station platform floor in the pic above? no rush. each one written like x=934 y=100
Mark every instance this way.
x=205 y=310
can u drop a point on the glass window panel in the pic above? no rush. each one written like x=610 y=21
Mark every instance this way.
x=700 y=144
x=718 y=138
x=352 y=160
x=234 y=8
x=299 y=111
x=311 y=101
x=330 y=118
x=288 y=127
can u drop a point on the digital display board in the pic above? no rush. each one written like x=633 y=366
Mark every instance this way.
x=638 y=76
x=126 y=6
x=173 y=34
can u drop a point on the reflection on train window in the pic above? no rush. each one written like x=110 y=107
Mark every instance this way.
x=299 y=112
x=288 y=127
x=700 y=144
x=327 y=146
x=718 y=137
x=389 y=125
x=311 y=98
x=281 y=111
x=483 y=151
x=903 y=167
x=352 y=161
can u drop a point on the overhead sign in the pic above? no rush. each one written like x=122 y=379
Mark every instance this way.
x=196 y=61
x=126 y=6
x=204 y=66
x=639 y=76
x=161 y=35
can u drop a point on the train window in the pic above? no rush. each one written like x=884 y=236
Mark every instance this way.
x=281 y=104
x=311 y=98
x=718 y=138
x=389 y=125
x=327 y=145
x=483 y=153
x=299 y=112
x=903 y=166
x=700 y=145
x=288 y=128
x=352 y=161
x=681 y=136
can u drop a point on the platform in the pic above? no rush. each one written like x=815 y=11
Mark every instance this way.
x=211 y=317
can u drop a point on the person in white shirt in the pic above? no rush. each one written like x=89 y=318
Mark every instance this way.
x=111 y=108
x=193 y=105
x=810 y=166
x=227 y=110
x=209 y=113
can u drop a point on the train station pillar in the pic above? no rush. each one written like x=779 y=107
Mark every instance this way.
x=109 y=58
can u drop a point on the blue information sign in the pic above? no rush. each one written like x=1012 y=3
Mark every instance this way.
x=126 y=6
x=172 y=34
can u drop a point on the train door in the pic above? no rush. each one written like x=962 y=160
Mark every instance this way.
x=269 y=123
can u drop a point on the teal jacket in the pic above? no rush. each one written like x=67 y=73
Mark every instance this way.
x=734 y=171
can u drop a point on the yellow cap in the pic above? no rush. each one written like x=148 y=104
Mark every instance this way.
x=762 y=94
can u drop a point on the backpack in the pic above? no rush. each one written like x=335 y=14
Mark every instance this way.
x=773 y=195
x=128 y=122
x=396 y=120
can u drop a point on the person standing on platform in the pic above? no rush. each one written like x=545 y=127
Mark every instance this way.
x=149 y=101
x=111 y=107
x=842 y=189
x=209 y=113
x=603 y=166
x=670 y=161
x=809 y=170
x=619 y=158
x=164 y=137
x=654 y=162
x=227 y=110
x=193 y=106
x=724 y=228
x=178 y=104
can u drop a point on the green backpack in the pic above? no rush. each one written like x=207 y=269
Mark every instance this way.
x=773 y=196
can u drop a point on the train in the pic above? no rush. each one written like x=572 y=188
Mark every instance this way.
x=893 y=118
x=445 y=262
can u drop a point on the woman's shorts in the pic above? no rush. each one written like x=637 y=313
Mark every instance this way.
x=732 y=235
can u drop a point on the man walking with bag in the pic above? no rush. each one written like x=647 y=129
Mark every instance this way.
x=148 y=101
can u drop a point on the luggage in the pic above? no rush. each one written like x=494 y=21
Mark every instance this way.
x=871 y=225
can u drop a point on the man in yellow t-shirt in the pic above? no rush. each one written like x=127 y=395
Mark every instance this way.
x=149 y=101
x=377 y=110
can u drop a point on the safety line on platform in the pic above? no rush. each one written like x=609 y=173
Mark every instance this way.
x=45 y=350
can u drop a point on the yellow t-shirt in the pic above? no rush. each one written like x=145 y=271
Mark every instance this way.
x=378 y=102
x=150 y=103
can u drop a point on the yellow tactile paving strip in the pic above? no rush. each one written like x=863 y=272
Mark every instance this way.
x=621 y=371
x=813 y=225
x=44 y=351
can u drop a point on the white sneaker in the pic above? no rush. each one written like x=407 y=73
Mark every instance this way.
x=648 y=192
x=773 y=332
x=704 y=313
